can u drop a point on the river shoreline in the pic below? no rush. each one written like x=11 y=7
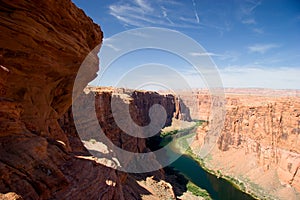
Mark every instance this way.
x=235 y=182
x=186 y=151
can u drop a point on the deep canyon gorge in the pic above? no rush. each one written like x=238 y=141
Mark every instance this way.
x=259 y=142
x=43 y=44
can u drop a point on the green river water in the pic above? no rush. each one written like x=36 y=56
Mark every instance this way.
x=218 y=188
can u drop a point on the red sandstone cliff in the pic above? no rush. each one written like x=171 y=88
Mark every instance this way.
x=260 y=140
x=139 y=104
x=43 y=44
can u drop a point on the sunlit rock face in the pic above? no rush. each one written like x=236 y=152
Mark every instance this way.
x=260 y=138
x=43 y=44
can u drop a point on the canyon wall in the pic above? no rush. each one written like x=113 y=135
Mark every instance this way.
x=139 y=104
x=43 y=44
x=260 y=140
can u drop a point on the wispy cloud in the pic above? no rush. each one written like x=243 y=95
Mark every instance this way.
x=141 y=13
x=195 y=11
x=248 y=7
x=187 y=19
x=132 y=14
x=144 y=5
x=246 y=12
x=168 y=13
x=203 y=54
x=232 y=56
x=262 y=48
x=165 y=15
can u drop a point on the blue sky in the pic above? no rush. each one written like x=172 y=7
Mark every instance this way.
x=253 y=43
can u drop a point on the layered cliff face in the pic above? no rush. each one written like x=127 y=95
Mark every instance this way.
x=139 y=104
x=259 y=143
x=198 y=103
x=43 y=44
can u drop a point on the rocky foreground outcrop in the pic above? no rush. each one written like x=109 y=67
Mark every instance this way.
x=260 y=140
x=43 y=44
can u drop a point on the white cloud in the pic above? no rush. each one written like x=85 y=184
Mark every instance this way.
x=262 y=48
x=113 y=47
x=165 y=15
x=246 y=12
x=228 y=55
x=141 y=13
x=195 y=12
x=203 y=54
x=188 y=20
x=144 y=5
x=132 y=14
x=248 y=7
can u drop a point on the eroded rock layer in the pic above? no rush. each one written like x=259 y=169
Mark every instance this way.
x=126 y=117
x=43 y=44
x=260 y=140
x=138 y=104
